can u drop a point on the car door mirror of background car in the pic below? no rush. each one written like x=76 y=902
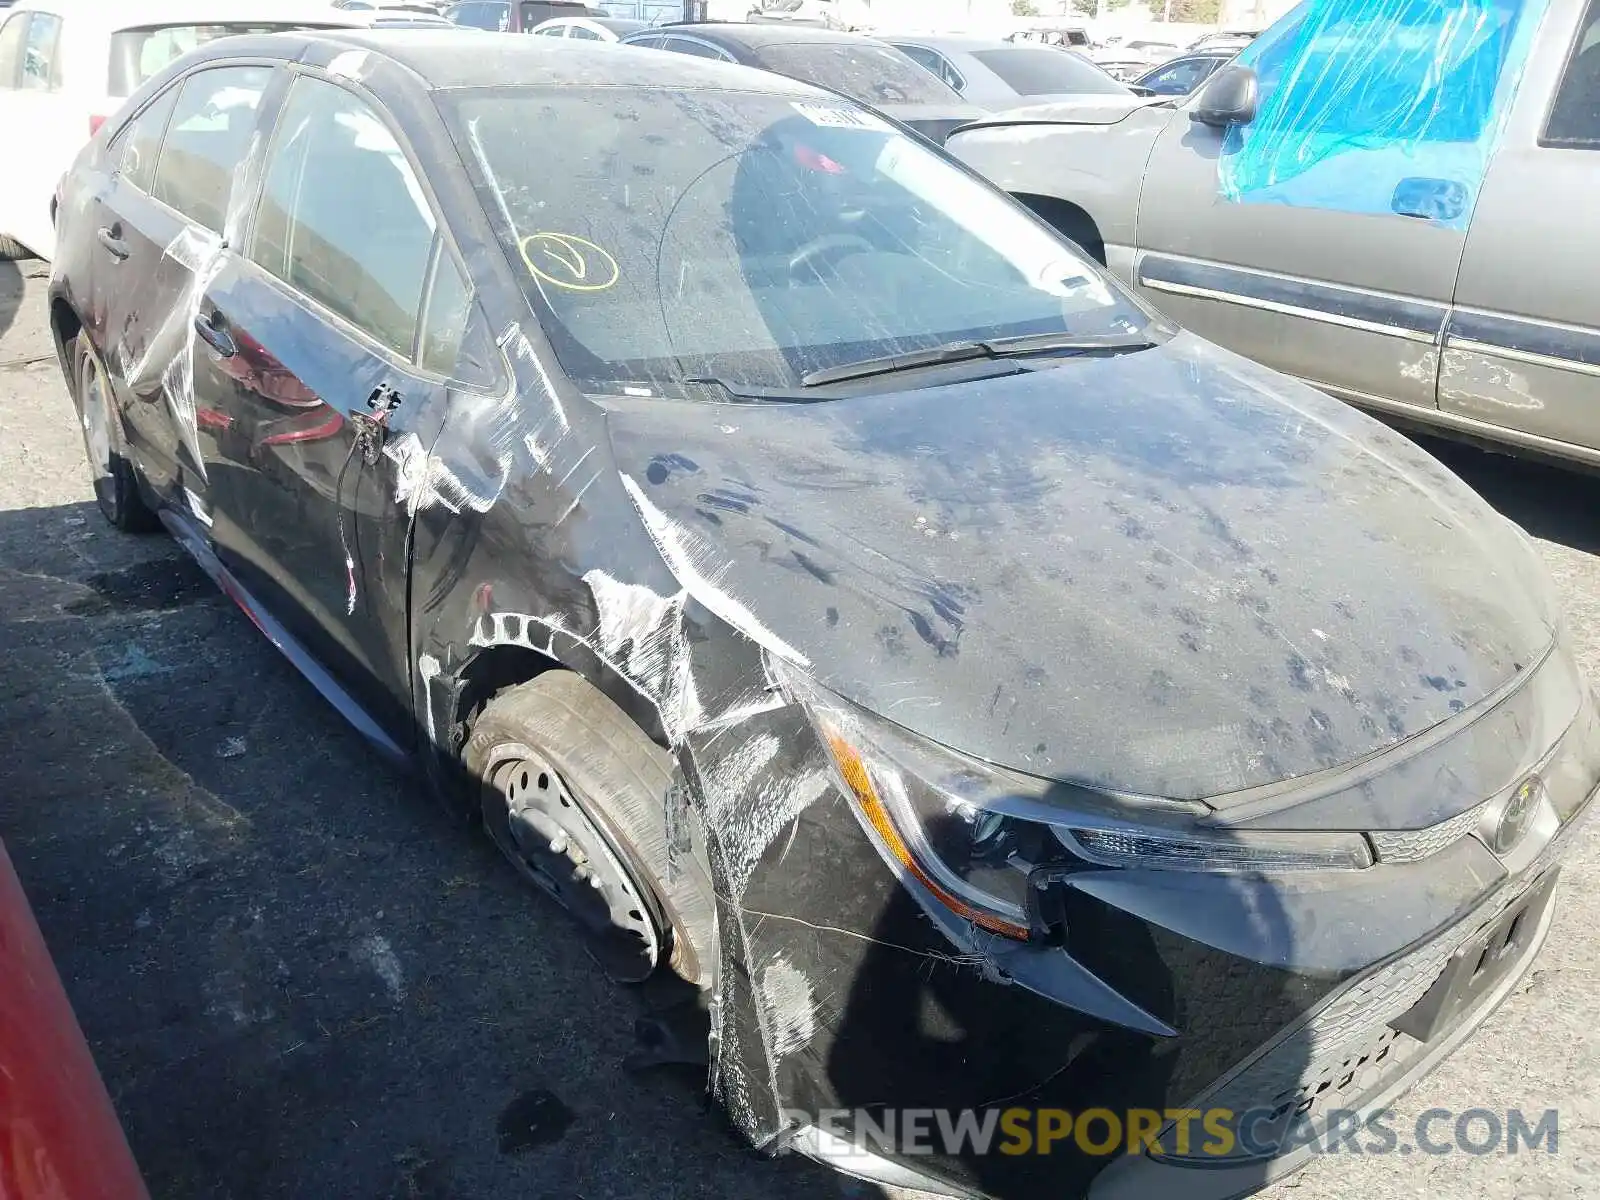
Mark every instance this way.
x=1231 y=98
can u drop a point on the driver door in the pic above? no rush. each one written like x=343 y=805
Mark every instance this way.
x=1324 y=238
x=345 y=302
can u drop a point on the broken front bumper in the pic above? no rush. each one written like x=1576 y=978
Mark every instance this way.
x=843 y=1004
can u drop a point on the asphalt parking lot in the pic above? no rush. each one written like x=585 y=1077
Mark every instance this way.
x=300 y=979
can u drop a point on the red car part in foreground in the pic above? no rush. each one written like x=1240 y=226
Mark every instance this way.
x=59 y=1137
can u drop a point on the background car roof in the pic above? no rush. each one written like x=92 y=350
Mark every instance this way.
x=756 y=36
x=128 y=14
x=459 y=58
x=953 y=42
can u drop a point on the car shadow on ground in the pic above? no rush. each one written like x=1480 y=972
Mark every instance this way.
x=298 y=975
x=1553 y=502
x=10 y=293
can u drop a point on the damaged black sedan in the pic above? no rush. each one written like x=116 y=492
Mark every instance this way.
x=1059 y=756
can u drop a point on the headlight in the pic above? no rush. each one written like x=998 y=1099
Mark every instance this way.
x=972 y=834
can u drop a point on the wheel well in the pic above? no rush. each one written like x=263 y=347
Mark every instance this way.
x=492 y=671
x=1067 y=218
x=64 y=323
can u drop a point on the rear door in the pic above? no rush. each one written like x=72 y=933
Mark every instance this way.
x=1523 y=346
x=1324 y=238
x=159 y=236
x=331 y=334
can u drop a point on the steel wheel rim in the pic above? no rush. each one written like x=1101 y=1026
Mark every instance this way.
x=551 y=838
x=96 y=420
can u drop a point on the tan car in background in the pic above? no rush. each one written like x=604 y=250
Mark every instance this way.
x=1470 y=307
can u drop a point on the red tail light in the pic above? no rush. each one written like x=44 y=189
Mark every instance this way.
x=94 y=125
x=815 y=160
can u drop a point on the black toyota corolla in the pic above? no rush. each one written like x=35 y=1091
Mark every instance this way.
x=995 y=705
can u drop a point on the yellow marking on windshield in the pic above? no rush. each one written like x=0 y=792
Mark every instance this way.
x=567 y=261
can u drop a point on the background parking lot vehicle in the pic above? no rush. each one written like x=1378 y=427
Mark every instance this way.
x=1411 y=239
x=66 y=65
x=588 y=29
x=999 y=74
x=516 y=16
x=865 y=69
x=1182 y=75
x=745 y=538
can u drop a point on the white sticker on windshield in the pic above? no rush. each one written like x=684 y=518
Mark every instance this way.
x=829 y=117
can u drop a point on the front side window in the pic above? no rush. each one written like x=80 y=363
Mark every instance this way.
x=1179 y=78
x=1575 y=115
x=868 y=73
x=753 y=239
x=1356 y=99
x=141 y=141
x=343 y=218
x=587 y=35
x=40 y=71
x=207 y=137
x=445 y=322
x=11 y=37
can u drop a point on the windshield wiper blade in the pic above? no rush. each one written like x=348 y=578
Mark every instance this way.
x=955 y=352
x=888 y=364
x=1037 y=343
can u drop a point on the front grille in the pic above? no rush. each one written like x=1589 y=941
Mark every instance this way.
x=1413 y=845
x=1346 y=1049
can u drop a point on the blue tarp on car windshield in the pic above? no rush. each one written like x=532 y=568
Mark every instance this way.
x=1361 y=99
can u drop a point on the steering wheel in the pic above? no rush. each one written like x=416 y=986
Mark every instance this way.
x=827 y=249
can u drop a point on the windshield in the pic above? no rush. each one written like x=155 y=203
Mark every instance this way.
x=1036 y=71
x=871 y=74
x=138 y=54
x=665 y=235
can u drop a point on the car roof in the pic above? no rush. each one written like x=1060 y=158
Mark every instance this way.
x=756 y=35
x=462 y=58
x=955 y=43
x=130 y=14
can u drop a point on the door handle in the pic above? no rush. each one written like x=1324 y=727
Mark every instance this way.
x=372 y=426
x=111 y=238
x=212 y=329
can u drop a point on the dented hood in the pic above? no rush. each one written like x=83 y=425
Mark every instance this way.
x=1172 y=572
x=1079 y=110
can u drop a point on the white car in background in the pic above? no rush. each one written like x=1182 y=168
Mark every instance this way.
x=589 y=29
x=67 y=65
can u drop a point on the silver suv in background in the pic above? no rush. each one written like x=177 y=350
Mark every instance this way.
x=1415 y=240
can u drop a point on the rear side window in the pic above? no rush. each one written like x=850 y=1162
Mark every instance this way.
x=482 y=16
x=11 y=50
x=343 y=218
x=1575 y=115
x=141 y=142
x=209 y=134
x=698 y=49
x=868 y=73
x=535 y=12
x=1036 y=71
x=41 y=72
x=138 y=54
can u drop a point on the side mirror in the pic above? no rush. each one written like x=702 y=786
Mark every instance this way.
x=1230 y=98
